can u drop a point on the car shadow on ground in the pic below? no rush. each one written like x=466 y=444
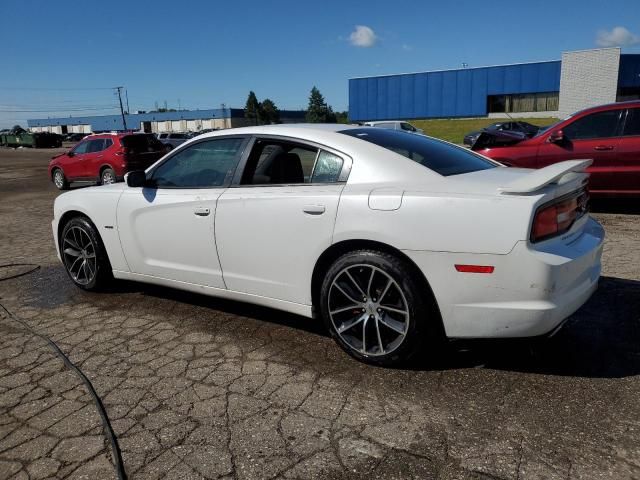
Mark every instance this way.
x=601 y=340
x=628 y=206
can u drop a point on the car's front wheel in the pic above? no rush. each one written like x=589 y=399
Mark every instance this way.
x=59 y=180
x=84 y=256
x=375 y=308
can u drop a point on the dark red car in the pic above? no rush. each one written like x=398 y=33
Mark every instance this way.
x=608 y=134
x=105 y=158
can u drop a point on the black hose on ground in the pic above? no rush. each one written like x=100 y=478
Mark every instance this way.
x=31 y=268
x=106 y=424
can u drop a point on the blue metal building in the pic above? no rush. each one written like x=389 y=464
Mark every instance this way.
x=468 y=92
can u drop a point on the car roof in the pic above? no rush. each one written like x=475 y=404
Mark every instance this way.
x=609 y=106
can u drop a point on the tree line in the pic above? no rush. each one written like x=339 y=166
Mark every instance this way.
x=266 y=112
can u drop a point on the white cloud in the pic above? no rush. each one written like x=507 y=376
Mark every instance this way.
x=363 y=36
x=617 y=37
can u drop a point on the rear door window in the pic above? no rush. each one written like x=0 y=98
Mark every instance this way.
x=280 y=162
x=632 y=124
x=327 y=168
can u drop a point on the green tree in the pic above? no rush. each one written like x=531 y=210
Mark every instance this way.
x=269 y=112
x=342 y=117
x=252 y=108
x=318 y=110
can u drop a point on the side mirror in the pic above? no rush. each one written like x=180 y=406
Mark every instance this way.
x=71 y=154
x=556 y=137
x=135 y=179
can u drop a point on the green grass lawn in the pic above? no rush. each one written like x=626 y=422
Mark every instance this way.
x=454 y=130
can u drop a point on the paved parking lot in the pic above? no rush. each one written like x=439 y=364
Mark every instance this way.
x=196 y=387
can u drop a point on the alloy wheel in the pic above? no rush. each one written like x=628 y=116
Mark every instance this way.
x=368 y=310
x=58 y=178
x=107 y=177
x=79 y=254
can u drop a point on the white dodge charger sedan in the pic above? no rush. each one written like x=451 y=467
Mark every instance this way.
x=395 y=240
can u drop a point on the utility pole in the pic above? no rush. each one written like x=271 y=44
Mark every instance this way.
x=126 y=94
x=124 y=121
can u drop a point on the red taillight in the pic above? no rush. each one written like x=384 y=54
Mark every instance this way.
x=558 y=217
x=474 y=268
x=122 y=151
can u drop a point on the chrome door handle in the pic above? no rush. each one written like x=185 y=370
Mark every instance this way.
x=603 y=147
x=201 y=211
x=313 y=209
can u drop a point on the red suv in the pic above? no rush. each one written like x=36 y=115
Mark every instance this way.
x=105 y=158
x=609 y=134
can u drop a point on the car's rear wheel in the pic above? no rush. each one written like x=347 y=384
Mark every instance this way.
x=59 y=180
x=107 y=177
x=84 y=256
x=375 y=308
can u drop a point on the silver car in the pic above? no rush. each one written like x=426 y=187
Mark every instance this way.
x=172 y=140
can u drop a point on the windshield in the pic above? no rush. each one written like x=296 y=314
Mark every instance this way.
x=439 y=156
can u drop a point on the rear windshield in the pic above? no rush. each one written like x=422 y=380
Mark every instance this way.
x=142 y=143
x=441 y=157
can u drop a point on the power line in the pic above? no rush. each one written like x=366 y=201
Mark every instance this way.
x=56 y=89
x=113 y=107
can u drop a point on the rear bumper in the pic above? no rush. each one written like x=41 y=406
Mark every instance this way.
x=530 y=293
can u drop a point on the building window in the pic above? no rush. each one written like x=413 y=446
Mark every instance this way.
x=527 y=102
x=628 y=93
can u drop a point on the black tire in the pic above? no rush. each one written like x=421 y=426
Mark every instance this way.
x=421 y=323
x=76 y=235
x=59 y=179
x=107 y=176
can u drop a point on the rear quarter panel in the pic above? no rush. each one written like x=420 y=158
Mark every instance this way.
x=436 y=221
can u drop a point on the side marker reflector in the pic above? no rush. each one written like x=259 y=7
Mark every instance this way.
x=475 y=268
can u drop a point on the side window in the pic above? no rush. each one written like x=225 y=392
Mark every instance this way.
x=327 y=169
x=202 y=165
x=632 y=125
x=408 y=127
x=596 y=125
x=279 y=162
x=81 y=147
x=95 y=146
x=107 y=143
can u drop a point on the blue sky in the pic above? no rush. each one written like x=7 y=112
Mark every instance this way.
x=57 y=55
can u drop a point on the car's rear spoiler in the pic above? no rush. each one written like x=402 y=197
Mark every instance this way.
x=557 y=173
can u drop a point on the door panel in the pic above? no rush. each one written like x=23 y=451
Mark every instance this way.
x=603 y=159
x=168 y=233
x=75 y=166
x=269 y=237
